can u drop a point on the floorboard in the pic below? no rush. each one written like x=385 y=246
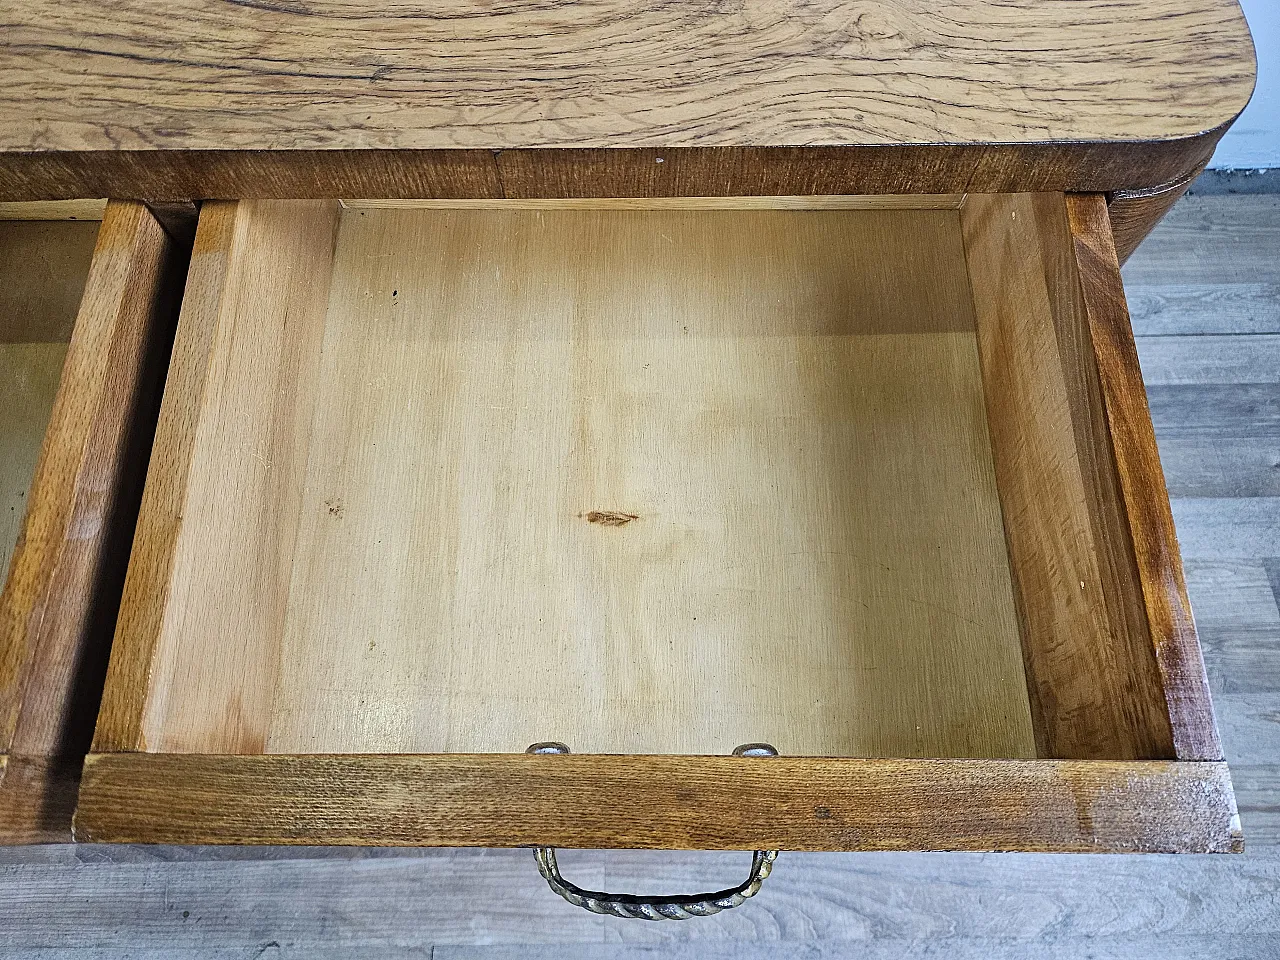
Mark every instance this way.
x=1210 y=358
x=1205 y=308
x=1203 y=466
x=495 y=897
x=1239 y=625
x=1227 y=527
x=1205 y=291
x=1213 y=241
x=1166 y=948
x=1249 y=411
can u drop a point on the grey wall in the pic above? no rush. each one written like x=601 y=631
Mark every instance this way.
x=1254 y=141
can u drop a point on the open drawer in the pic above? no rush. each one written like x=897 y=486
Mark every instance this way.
x=88 y=298
x=871 y=480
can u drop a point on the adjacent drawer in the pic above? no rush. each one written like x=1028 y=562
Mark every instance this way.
x=871 y=480
x=88 y=299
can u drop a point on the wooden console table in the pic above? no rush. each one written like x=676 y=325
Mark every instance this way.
x=651 y=378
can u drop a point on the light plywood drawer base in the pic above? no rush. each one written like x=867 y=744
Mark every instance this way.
x=872 y=481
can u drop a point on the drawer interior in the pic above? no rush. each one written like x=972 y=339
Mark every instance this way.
x=640 y=478
x=43 y=267
x=88 y=301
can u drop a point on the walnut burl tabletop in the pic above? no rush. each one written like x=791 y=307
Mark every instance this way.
x=185 y=99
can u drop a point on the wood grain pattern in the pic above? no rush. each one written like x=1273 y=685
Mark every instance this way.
x=555 y=99
x=1091 y=673
x=1245 y=529
x=53 y=210
x=37 y=798
x=1226 y=467
x=671 y=802
x=1106 y=947
x=905 y=201
x=1168 y=947
x=59 y=599
x=178 y=218
x=1217 y=410
x=327 y=904
x=1204 y=308
x=1211 y=267
x=97 y=902
x=1238 y=620
x=1134 y=213
x=1238 y=358
x=663 y=447
x=180 y=176
x=1234 y=244
x=1150 y=520
x=270 y=650
x=251 y=263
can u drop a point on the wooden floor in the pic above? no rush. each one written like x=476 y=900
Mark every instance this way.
x=1205 y=292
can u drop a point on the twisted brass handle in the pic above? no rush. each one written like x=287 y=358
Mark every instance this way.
x=657 y=908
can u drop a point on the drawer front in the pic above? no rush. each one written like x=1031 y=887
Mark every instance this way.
x=90 y=294
x=869 y=479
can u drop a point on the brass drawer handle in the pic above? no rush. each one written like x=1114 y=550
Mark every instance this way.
x=657 y=908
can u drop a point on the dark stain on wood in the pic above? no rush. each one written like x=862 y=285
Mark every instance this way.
x=611 y=518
